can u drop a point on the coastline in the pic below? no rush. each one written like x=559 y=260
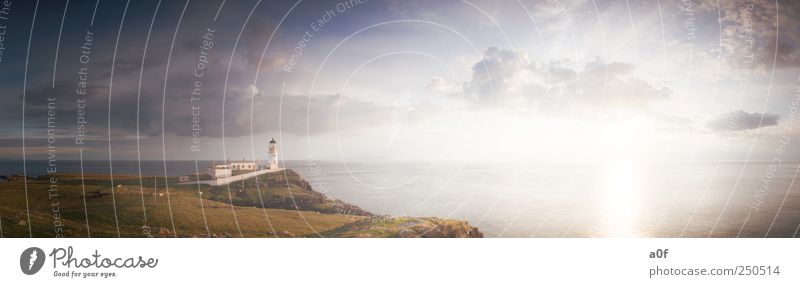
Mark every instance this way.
x=268 y=205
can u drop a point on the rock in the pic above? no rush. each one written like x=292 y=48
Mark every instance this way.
x=22 y=222
x=407 y=227
x=303 y=196
x=455 y=229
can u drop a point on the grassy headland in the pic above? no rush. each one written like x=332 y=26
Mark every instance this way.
x=270 y=205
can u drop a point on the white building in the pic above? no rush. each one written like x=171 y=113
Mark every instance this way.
x=226 y=169
x=244 y=165
x=219 y=170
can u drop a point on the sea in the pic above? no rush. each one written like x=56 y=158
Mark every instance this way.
x=543 y=199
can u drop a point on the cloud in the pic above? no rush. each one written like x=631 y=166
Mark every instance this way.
x=232 y=109
x=510 y=78
x=742 y=121
x=441 y=86
x=499 y=73
x=243 y=105
x=608 y=85
x=751 y=30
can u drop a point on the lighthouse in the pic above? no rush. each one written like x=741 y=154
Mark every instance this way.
x=273 y=154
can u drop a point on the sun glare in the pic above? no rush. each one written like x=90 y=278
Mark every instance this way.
x=620 y=177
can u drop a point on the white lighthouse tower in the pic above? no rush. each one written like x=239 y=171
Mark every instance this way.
x=273 y=154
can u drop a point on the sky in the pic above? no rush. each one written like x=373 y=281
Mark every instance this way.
x=401 y=80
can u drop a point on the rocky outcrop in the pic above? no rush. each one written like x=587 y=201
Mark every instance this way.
x=288 y=190
x=453 y=229
x=406 y=227
x=284 y=190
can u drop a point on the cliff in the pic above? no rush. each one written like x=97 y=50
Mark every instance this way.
x=283 y=190
x=290 y=191
x=271 y=205
x=406 y=227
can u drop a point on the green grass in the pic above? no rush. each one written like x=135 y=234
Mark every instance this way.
x=133 y=205
x=290 y=208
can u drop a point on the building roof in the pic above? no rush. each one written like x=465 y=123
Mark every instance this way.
x=244 y=161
